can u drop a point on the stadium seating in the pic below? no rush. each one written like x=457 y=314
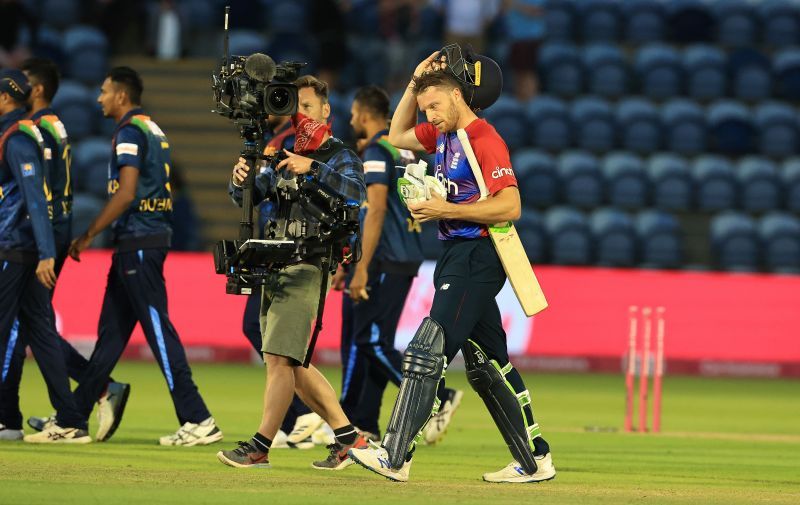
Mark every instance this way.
x=750 y=73
x=246 y=42
x=85 y=208
x=60 y=14
x=614 y=238
x=790 y=177
x=560 y=20
x=508 y=118
x=600 y=20
x=639 y=125
x=689 y=21
x=549 y=123
x=593 y=124
x=786 y=68
x=660 y=240
x=537 y=177
x=671 y=182
x=658 y=68
x=780 y=236
x=626 y=181
x=715 y=183
x=735 y=242
x=731 y=128
x=581 y=180
x=705 y=72
x=736 y=23
x=90 y=160
x=561 y=69
x=759 y=183
x=780 y=22
x=644 y=21
x=570 y=236
x=778 y=130
x=606 y=70
x=684 y=125
x=76 y=107
x=533 y=235
x=87 y=48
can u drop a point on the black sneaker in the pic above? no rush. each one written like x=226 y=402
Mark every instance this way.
x=244 y=456
x=338 y=458
x=110 y=408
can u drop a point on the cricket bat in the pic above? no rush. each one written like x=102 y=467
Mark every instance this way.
x=509 y=247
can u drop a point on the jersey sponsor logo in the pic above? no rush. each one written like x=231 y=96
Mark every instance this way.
x=155 y=205
x=127 y=148
x=452 y=187
x=27 y=169
x=454 y=162
x=374 y=166
x=499 y=172
x=440 y=147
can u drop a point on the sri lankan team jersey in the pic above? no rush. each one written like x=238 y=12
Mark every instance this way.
x=138 y=142
x=58 y=162
x=453 y=170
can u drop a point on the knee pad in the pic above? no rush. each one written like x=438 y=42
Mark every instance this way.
x=505 y=405
x=423 y=367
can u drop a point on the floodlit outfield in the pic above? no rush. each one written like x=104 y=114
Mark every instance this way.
x=724 y=441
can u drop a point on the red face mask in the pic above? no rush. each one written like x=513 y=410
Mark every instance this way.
x=309 y=134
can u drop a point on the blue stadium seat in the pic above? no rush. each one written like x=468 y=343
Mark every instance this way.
x=689 y=21
x=59 y=14
x=560 y=20
x=570 y=236
x=537 y=177
x=786 y=69
x=779 y=134
x=90 y=161
x=645 y=21
x=780 y=236
x=549 y=123
x=715 y=183
x=606 y=70
x=50 y=44
x=533 y=235
x=87 y=50
x=561 y=69
x=736 y=22
x=734 y=241
x=640 y=125
x=780 y=22
x=245 y=42
x=705 y=72
x=581 y=180
x=289 y=17
x=671 y=182
x=508 y=117
x=76 y=107
x=85 y=208
x=759 y=183
x=751 y=75
x=660 y=239
x=790 y=175
x=600 y=20
x=658 y=68
x=626 y=181
x=593 y=123
x=283 y=48
x=200 y=15
x=614 y=238
x=684 y=123
x=731 y=127
x=340 y=114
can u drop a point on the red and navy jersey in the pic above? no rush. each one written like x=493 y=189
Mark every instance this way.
x=453 y=170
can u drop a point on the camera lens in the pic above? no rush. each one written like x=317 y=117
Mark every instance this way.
x=278 y=98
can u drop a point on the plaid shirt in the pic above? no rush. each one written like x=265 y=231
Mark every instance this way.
x=343 y=174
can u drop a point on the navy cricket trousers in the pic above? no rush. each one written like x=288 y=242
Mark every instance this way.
x=251 y=327
x=26 y=310
x=136 y=293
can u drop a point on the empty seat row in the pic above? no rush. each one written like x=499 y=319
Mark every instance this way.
x=665 y=181
x=740 y=242
x=660 y=71
x=774 y=23
x=609 y=237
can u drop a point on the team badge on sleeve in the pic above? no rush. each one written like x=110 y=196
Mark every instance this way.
x=27 y=169
x=127 y=148
x=374 y=166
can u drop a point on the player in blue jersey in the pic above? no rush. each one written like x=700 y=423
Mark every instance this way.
x=464 y=315
x=138 y=212
x=380 y=282
x=27 y=269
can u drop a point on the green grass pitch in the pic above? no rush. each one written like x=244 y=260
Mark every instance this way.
x=724 y=441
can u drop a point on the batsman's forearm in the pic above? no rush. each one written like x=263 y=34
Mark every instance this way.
x=404 y=118
x=115 y=207
x=373 y=226
x=490 y=211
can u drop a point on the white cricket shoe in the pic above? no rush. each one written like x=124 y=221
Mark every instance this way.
x=9 y=434
x=304 y=427
x=513 y=472
x=191 y=434
x=436 y=428
x=376 y=459
x=55 y=434
x=280 y=441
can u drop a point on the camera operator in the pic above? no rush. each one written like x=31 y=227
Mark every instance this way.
x=291 y=295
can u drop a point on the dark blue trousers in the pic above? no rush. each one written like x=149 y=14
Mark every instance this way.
x=251 y=327
x=136 y=293
x=26 y=309
x=369 y=358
